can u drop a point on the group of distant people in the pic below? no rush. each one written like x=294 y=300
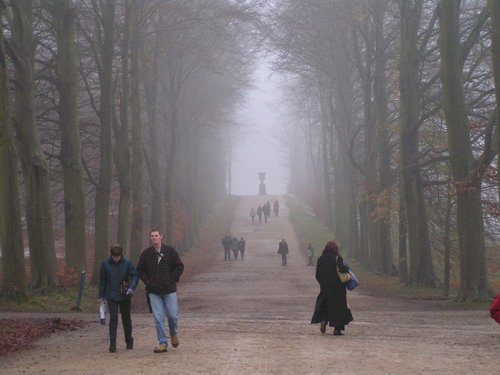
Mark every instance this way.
x=264 y=210
x=233 y=244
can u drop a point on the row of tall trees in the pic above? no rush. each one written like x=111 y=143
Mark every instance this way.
x=397 y=123
x=118 y=113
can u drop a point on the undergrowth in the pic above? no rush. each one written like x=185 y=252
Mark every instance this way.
x=64 y=299
x=310 y=229
x=54 y=300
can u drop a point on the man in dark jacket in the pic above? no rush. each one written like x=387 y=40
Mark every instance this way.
x=235 y=246
x=117 y=282
x=283 y=250
x=160 y=268
x=227 y=243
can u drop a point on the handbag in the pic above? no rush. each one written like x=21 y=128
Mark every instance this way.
x=353 y=282
x=343 y=276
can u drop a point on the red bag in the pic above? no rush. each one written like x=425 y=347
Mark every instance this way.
x=495 y=309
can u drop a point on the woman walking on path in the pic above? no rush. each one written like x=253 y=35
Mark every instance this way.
x=331 y=304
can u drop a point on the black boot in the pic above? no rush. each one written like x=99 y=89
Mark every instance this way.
x=112 y=347
x=130 y=344
x=337 y=332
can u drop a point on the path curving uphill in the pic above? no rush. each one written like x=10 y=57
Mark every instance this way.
x=252 y=316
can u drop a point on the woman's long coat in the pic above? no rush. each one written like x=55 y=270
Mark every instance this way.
x=331 y=304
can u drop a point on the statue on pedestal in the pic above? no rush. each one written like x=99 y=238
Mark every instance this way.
x=262 y=185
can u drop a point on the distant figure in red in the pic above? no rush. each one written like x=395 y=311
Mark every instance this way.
x=495 y=309
x=276 y=207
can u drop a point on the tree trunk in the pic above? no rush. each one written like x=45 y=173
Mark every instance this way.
x=151 y=79
x=368 y=230
x=473 y=273
x=64 y=16
x=326 y=150
x=494 y=6
x=169 y=179
x=414 y=210
x=35 y=168
x=11 y=239
x=346 y=212
x=383 y=251
x=365 y=206
x=137 y=159
x=103 y=191
x=122 y=140
x=403 y=256
x=447 y=246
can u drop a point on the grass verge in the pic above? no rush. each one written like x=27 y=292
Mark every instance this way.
x=308 y=228
x=54 y=300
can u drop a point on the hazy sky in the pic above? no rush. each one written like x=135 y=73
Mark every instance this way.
x=256 y=147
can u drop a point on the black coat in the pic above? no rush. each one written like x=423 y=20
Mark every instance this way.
x=331 y=304
x=160 y=277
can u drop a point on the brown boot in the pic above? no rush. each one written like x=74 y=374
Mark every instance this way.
x=175 y=341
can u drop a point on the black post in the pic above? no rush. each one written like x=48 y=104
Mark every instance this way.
x=80 y=292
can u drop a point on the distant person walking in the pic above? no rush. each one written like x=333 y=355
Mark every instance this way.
x=310 y=254
x=117 y=282
x=259 y=213
x=226 y=244
x=283 y=250
x=235 y=246
x=331 y=303
x=266 y=210
x=276 y=207
x=242 y=245
x=252 y=214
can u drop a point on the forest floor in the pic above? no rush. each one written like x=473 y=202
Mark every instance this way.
x=252 y=316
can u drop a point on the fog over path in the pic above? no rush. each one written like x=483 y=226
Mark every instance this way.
x=252 y=316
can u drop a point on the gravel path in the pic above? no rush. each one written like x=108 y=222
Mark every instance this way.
x=252 y=316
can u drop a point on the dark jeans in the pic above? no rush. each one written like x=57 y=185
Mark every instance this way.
x=283 y=259
x=227 y=254
x=124 y=306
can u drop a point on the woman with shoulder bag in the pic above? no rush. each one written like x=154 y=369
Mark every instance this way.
x=331 y=304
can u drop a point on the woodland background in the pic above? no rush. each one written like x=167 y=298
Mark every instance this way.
x=118 y=115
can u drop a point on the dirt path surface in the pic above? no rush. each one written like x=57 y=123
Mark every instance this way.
x=252 y=316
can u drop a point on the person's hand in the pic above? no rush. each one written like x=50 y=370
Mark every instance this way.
x=130 y=292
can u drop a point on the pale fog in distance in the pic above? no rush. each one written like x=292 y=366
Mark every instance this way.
x=256 y=146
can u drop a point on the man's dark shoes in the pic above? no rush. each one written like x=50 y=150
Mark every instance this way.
x=112 y=348
x=130 y=345
x=322 y=327
x=338 y=332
